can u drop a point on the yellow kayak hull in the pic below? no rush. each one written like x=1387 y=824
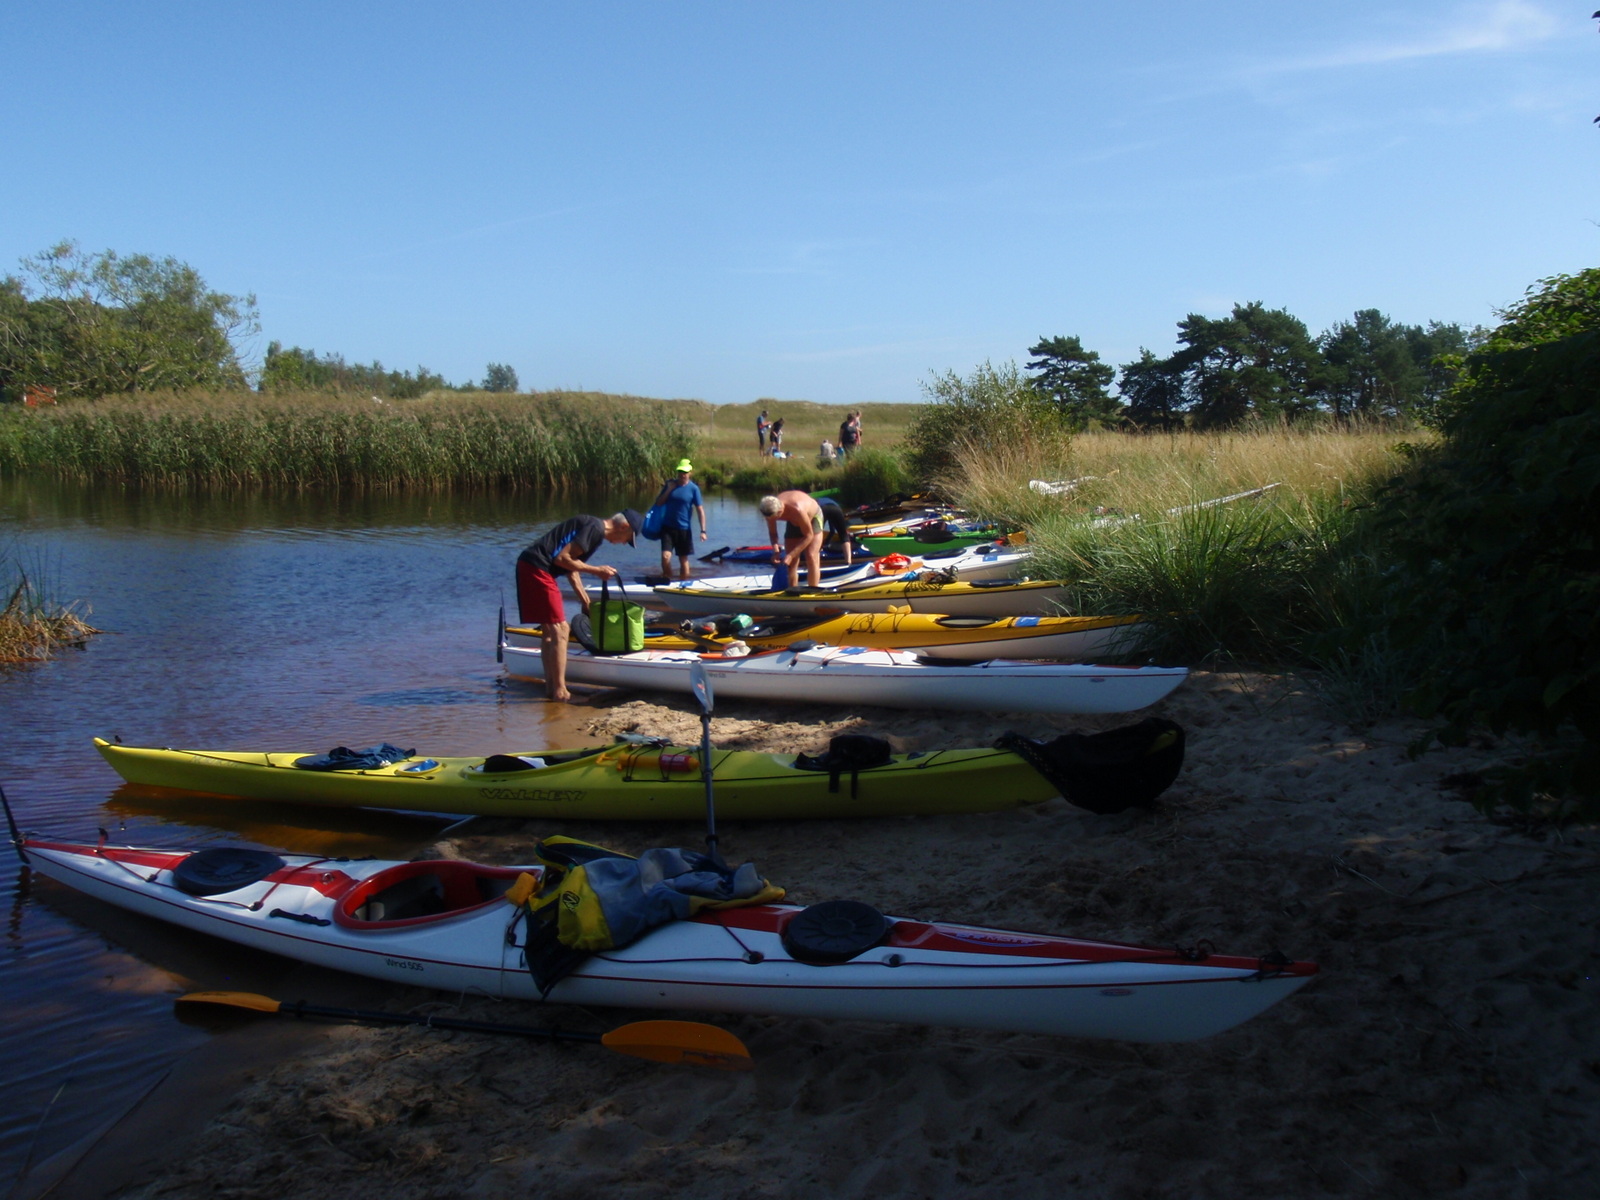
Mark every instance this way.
x=623 y=782
x=975 y=639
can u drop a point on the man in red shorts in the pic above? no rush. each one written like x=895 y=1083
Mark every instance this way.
x=565 y=550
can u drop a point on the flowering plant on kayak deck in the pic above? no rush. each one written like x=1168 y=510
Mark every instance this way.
x=597 y=899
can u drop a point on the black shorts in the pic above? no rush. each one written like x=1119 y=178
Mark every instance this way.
x=677 y=541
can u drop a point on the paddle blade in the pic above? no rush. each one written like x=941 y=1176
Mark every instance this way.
x=700 y=685
x=680 y=1042
x=248 y=1000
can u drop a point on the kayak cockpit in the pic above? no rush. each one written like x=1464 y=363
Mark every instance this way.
x=409 y=894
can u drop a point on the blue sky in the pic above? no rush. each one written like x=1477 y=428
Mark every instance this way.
x=821 y=201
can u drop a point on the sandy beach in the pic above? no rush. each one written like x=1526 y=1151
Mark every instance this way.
x=1449 y=1045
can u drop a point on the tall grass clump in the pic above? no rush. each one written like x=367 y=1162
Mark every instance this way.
x=441 y=440
x=1257 y=579
x=31 y=624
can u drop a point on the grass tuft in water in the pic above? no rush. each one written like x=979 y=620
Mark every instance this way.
x=31 y=625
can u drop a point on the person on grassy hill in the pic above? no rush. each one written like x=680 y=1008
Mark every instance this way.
x=564 y=550
x=849 y=436
x=802 y=534
x=682 y=498
x=775 y=438
x=762 y=425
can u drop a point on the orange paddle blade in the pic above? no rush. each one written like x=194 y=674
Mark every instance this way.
x=680 y=1042
x=248 y=1000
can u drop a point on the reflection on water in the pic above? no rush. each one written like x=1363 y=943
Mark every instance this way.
x=295 y=623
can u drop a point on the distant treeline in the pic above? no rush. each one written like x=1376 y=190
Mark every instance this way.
x=74 y=324
x=297 y=370
x=1255 y=364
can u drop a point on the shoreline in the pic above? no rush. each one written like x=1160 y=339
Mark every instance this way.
x=1448 y=1044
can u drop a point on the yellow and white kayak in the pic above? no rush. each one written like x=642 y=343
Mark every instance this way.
x=983 y=597
x=621 y=782
x=959 y=639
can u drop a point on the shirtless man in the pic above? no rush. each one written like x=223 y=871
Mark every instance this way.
x=802 y=533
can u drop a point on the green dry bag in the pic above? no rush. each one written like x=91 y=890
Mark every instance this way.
x=616 y=625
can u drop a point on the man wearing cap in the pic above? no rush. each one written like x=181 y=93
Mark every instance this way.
x=565 y=550
x=682 y=499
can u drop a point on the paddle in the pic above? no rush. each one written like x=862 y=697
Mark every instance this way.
x=658 y=1041
x=700 y=685
x=16 y=835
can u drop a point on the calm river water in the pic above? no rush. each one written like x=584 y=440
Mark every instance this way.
x=234 y=622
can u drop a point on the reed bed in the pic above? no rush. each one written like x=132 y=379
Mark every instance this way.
x=1283 y=577
x=33 y=626
x=449 y=440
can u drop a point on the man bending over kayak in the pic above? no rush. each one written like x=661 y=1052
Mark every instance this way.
x=564 y=550
x=838 y=527
x=802 y=533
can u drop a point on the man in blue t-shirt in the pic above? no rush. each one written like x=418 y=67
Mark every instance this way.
x=682 y=499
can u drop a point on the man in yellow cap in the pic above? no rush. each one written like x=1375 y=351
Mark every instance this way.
x=682 y=499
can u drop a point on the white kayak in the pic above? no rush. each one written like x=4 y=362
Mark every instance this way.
x=973 y=562
x=447 y=925
x=857 y=675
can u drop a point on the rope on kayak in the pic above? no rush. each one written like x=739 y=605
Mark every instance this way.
x=154 y=879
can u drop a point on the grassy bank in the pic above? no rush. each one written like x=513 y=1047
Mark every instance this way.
x=442 y=440
x=726 y=454
x=1282 y=577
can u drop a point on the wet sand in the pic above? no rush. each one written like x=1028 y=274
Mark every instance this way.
x=1449 y=1046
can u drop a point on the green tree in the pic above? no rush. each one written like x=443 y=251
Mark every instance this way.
x=1075 y=381
x=297 y=370
x=99 y=324
x=1497 y=537
x=1370 y=368
x=1255 y=363
x=988 y=406
x=1152 y=390
x=499 y=377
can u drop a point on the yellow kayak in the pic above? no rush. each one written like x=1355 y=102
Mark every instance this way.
x=621 y=782
x=962 y=639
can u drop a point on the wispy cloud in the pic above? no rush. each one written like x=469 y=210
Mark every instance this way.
x=1484 y=29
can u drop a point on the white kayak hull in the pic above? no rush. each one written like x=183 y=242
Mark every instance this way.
x=972 y=562
x=856 y=675
x=733 y=961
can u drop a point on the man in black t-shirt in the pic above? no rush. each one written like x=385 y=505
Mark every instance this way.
x=565 y=550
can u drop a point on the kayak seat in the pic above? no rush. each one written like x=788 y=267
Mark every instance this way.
x=419 y=896
x=422 y=889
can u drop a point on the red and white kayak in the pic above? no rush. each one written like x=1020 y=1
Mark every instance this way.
x=445 y=924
